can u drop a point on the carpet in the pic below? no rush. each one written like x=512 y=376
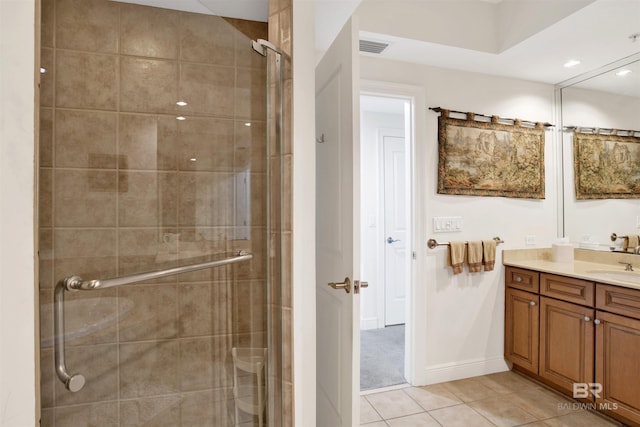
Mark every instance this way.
x=382 y=357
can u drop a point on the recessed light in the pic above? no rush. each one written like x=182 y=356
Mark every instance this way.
x=181 y=118
x=571 y=63
x=181 y=103
x=623 y=72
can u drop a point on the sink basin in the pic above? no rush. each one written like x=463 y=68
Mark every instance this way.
x=626 y=276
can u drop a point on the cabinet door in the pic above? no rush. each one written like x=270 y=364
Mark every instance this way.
x=566 y=343
x=617 y=365
x=521 y=329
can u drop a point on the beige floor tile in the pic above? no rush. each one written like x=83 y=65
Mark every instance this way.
x=433 y=396
x=537 y=424
x=376 y=424
x=367 y=413
x=543 y=403
x=459 y=416
x=580 y=419
x=469 y=389
x=502 y=411
x=417 y=420
x=393 y=404
x=507 y=382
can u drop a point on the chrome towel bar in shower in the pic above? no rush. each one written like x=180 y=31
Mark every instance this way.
x=75 y=382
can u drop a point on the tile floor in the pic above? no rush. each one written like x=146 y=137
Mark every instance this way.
x=502 y=399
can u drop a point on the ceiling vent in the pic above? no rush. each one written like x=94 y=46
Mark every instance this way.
x=370 y=46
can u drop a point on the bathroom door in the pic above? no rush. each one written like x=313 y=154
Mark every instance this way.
x=337 y=213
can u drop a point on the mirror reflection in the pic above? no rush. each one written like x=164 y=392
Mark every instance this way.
x=606 y=102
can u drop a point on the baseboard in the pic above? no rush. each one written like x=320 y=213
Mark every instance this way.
x=460 y=370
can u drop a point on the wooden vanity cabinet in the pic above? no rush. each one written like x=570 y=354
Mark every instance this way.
x=565 y=331
x=566 y=343
x=521 y=329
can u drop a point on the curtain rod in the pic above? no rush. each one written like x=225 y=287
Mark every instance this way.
x=600 y=131
x=495 y=119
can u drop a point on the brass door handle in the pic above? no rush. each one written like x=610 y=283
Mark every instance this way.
x=357 y=285
x=346 y=285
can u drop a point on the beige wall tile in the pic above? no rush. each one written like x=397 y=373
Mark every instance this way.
x=149 y=31
x=208 y=89
x=47 y=79
x=250 y=146
x=85 y=198
x=45 y=255
x=85 y=139
x=207 y=39
x=91 y=317
x=47 y=377
x=162 y=411
x=205 y=309
x=207 y=408
x=256 y=268
x=141 y=250
x=86 y=80
x=99 y=365
x=250 y=306
x=148 y=312
x=251 y=95
x=206 y=199
x=149 y=368
x=90 y=254
x=139 y=199
x=246 y=31
x=258 y=196
x=148 y=85
x=148 y=142
x=45 y=138
x=90 y=25
x=209 y=141
x=205 y=363
x=96 y=414
x=45 y=195
x=47 y=27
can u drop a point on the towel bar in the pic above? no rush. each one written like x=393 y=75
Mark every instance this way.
x=432 y=243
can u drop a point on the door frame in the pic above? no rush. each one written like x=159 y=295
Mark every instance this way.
x=415 y=326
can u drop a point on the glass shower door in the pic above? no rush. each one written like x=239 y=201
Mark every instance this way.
x=153 y=156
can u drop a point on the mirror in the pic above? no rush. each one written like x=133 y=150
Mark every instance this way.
x=604 y=99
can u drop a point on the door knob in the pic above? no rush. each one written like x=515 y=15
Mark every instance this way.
x=392 y=240
x=346 y=285
x=357 y=285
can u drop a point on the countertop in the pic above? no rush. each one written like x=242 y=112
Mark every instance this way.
x=585 y=266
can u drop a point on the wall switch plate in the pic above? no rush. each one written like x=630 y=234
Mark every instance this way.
x=530 y=240
x=447 y=224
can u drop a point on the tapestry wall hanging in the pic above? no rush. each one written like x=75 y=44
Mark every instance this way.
x=606 y=166
x=490 y=156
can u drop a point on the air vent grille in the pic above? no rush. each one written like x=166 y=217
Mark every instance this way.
x=370 y=46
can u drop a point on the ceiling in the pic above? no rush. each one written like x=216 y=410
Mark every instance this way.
x=524 y=39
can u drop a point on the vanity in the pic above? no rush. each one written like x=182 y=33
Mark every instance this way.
x=576 y=326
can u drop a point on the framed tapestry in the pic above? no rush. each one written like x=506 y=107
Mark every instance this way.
x=490 y=157
x=606 y=166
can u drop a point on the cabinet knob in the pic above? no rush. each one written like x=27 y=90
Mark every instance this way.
x=518 y=279
x=587 y=318
x=596 y=321
x=532 y=303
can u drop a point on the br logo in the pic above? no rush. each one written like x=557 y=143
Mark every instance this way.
x=583 y=390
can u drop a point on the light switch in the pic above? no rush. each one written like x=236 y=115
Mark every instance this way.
x=447 y=224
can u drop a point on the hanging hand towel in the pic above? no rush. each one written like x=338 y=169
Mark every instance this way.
x=634 y=242
x=489 y=254
x=474 y=256
x=456 y=256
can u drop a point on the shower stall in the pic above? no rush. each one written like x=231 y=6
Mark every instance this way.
x=160 y=218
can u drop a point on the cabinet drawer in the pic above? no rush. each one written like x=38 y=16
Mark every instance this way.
x=618 y=300
x=518 y=278
x=567 y=289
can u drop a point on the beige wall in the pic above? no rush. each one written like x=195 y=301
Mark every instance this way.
x=116 y=177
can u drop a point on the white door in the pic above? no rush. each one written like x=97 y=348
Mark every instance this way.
x=395 y=227
x=337 y=228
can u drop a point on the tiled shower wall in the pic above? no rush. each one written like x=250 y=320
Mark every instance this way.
x=126 y=187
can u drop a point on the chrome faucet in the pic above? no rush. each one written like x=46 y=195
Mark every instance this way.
x=628 y=266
